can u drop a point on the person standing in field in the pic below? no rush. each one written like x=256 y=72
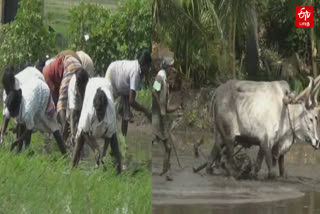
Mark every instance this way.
x=125 y=77
x=160 y=107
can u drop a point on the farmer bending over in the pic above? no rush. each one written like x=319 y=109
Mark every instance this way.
x=31 y=106
x=125 y=77
x=97 y=120
x=58 y=74
x=76 y=90
x=11 y=82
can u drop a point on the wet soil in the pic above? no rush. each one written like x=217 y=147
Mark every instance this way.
x=308 y=204
x=202 y=193
x=139 y=144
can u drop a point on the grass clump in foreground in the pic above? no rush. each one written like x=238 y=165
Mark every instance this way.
x=32 y=182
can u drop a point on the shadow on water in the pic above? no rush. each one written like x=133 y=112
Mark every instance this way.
x=308 y=204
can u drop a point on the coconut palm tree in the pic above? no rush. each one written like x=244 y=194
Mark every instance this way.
x=201 y=23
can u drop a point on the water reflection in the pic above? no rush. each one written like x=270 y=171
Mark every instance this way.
x=309 y=204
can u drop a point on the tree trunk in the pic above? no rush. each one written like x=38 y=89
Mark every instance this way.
x=230 y=42
x=252 y=49
x=234 y=46
x=313 y=53
x=1 y=10
x=43 y=10
x=313 y=49
x=10 y=10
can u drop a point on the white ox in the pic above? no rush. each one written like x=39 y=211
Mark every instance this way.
x=262 y=113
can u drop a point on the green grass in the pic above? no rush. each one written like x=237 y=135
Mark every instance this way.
x=34 y=182
x=40 y=184
x=144 y=97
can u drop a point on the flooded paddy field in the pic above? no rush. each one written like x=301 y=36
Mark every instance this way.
x=191 y=192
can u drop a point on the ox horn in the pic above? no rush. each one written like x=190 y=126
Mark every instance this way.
x=315 y=98
x=315 y=94
x=308 y=101
x=305 y=91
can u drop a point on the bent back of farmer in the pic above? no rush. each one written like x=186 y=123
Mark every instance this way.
x=76 y=91
x=125 y=77
x=58 y=75
x=14 y=82
x=30 y=105
x=98 y=120
x=11 y=81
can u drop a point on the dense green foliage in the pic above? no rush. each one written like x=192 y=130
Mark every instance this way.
x=57 y=15
x=114 y=35
x=27 y=38
x=215 y=40
x=201 y=35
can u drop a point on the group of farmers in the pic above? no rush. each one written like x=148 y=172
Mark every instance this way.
x=65 y=96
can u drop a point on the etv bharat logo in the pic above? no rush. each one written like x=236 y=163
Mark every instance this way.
x=304 y=17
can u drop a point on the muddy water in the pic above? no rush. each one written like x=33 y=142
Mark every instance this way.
x=202 y=193
x=139 y=142
x=305 y=205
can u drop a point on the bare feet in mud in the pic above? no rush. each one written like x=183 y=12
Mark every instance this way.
x=169 y=176
x=196 y=150
x=166 y=171
x=166 y=167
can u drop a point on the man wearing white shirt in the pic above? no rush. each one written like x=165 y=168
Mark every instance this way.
x=97 y=120
x=125 y=77
x=11 y=82
x=31 y=107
